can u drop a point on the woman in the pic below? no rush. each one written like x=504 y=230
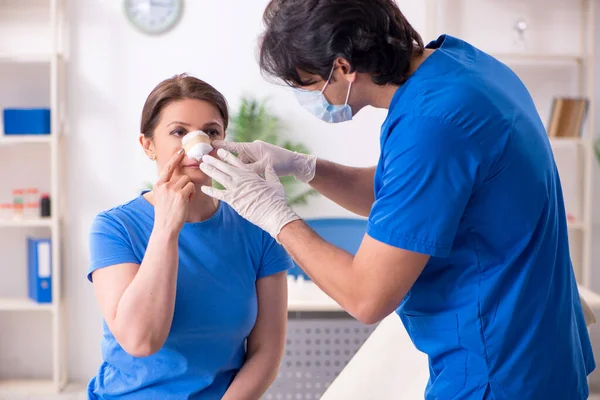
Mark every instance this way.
x=467 y=237
x=194 y=297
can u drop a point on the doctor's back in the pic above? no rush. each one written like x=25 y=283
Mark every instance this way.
x=496 y=308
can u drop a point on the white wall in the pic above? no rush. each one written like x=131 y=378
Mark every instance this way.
x=112 y=68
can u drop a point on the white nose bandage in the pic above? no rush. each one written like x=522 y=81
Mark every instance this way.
x=196 y=144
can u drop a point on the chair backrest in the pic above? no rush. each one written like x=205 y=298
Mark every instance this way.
x=345 y=233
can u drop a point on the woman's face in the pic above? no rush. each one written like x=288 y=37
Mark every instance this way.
x=176 y=120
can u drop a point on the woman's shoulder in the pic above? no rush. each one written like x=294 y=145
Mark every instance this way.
x=122 y=214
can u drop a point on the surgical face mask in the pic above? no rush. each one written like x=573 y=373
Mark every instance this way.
x=314 y=101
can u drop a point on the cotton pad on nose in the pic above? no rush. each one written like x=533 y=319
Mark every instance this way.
x=196 y=144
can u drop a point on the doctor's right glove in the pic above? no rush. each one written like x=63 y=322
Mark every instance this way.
x=260 y=200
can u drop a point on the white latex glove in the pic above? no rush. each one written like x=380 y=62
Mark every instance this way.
x=259 y=154
x=259 y=200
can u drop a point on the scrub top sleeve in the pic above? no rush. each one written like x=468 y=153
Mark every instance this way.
x=109 y=244
x=274 y=258
x=426 y=175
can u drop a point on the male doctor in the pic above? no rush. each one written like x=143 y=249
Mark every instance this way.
x=467 y=234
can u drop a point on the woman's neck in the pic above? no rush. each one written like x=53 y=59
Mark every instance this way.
x=202 y=207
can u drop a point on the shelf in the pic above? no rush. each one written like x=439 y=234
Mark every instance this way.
x=313 y=306
x=530 y=58
x=24 y=58
x=11 y=140
x=25 y=388
x=306 y=296
x=26 y=223
x=567 y=140
x=23 y=304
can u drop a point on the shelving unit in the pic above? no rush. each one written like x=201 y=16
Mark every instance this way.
x=537 y=58
x=27 y=223
x=41 y=51
x=8 y=140
x=25 y=58
x=19 y=304
x=459 y=20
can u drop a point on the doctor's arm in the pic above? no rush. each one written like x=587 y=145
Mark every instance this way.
x=349 y=187
x=369 y=285
x=430 y=173
x=266 y=341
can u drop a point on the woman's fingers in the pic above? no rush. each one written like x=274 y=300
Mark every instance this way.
x=181 y=182
x=169 y=168
x=189 y=190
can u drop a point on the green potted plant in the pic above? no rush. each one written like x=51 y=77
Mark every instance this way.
x=253 y=121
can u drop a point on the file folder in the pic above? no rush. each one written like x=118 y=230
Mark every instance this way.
x=39 y=258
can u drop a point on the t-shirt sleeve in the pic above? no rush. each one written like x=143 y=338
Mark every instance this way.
x=274 y=258
x=109 y=244
x=429 y=172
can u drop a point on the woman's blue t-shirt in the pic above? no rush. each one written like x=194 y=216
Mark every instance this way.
x=220 y=260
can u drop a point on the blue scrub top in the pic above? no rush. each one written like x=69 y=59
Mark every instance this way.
x=220 y=260
x=467 y=176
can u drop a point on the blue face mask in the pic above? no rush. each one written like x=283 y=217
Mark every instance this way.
x=314 y=101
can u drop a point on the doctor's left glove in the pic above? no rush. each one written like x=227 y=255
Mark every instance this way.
x=261 y=201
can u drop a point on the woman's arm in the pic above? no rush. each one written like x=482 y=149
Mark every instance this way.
x=266 y=341
x=138 y=302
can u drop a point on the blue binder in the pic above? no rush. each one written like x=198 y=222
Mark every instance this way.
x=39 y=259
x=345 y=233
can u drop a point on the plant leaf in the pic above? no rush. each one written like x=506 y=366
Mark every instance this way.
x=253 y=121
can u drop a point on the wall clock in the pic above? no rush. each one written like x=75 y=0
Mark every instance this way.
x=153 y=17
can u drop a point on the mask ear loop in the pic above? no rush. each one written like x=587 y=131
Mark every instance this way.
x=348 y=94
x=328 y=79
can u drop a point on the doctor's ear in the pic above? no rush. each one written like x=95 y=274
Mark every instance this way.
x=346 y=68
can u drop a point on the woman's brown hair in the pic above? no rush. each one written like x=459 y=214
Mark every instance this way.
x=179 y=87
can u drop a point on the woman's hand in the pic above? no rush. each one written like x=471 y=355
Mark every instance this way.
x=172 y=195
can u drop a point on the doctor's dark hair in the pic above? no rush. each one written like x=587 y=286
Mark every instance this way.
x=372 y=35
x=179 y=87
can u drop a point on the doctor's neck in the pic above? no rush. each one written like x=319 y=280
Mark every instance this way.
x=381 y=96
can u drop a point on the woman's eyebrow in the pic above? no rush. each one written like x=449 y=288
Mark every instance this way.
x=212 y=124
x=207 y=124
x=178 y=123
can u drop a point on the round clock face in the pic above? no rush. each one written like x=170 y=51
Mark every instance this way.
x=153 y=16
